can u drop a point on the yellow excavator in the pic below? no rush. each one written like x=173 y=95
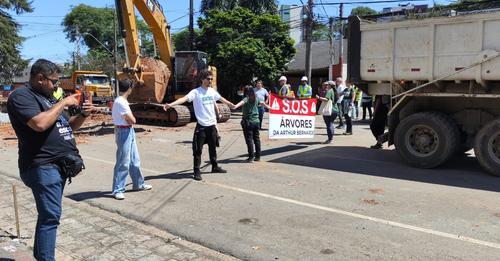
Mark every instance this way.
x=155 y=82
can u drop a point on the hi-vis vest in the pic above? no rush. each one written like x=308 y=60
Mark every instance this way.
x=58 y=93
x=288 y=90
x=305 y=91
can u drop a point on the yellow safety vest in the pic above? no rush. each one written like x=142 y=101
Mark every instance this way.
x=58 y=94
x=288 y=91
x=303 y=90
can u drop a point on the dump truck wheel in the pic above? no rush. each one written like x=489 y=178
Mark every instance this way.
x=427 y=139
x=487 y=147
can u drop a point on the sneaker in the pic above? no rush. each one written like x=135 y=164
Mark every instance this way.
x=257 y=158
x=347 y=133
x=119 y=196
x=328 y=142
x=339 y=127
x=249 y=160
x=377 y=146
x=197 y=176
x=144 y=187
x=218 y=170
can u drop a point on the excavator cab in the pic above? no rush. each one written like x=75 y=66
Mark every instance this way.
x=187 y=66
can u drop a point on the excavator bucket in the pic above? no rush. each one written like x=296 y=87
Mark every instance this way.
x=152 y=82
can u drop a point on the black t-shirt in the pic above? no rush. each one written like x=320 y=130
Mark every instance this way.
x=38 y=148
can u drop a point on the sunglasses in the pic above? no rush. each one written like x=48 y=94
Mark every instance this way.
x=209 y=78
x=54 y=82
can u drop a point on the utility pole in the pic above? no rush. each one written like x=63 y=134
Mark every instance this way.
x=309 y=29
x=341 y=47
x=331 y=22
x=78 y=48
x=115 y=53
x=191 y=25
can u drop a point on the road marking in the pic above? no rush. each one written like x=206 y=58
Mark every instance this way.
x=338 y=211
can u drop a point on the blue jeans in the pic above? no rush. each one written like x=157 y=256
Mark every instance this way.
x=329 y=125
x=47 y=186
x=262 y=110
x=127 y=161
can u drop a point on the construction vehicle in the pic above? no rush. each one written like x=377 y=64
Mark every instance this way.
x=155 y=84
x=95 y=83
x=443 y=77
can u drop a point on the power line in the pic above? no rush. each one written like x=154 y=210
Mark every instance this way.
x=370 y=2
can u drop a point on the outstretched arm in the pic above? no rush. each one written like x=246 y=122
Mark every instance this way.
x=238 y=105
x=177 y=102
x=228 y=103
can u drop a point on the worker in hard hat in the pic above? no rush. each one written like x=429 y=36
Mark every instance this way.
x=305 y=90
x=285 y=89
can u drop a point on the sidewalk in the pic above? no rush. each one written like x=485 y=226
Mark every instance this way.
x=89 y=233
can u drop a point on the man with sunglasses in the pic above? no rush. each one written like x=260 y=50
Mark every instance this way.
x=204 y=100
x=45 y=135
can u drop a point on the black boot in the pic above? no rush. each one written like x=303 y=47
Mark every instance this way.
x=218 y=169
x=197 y=175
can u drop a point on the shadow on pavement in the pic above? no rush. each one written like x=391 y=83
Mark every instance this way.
x=90 y=195
x=461 y=171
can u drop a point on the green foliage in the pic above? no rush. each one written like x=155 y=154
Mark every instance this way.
x=89 y=22
x=11 y=63
x=243 y=45
x=362 y=11
x=181 y=39
x=99 y=23
x=320 y=32
x=256 y=6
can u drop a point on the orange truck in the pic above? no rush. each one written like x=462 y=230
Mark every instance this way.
x=95 y=83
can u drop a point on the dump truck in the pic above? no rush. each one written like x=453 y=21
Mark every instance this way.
x=161 y=80
x=442 y=75
x=96 y=83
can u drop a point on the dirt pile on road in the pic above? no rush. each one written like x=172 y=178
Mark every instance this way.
x=7 y=135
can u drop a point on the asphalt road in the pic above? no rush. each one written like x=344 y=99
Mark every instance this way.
x=304 y=201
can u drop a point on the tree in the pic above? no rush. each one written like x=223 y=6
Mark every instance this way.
x=181 y=39
x=320 y=32
x=95 y=26
x=11 y=63
x=256 y=6
x=243 y=45
x=362 y=11
x=90 y=23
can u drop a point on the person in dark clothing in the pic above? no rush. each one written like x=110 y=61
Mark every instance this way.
x=347 y=108
x=366 y=103
x=204 y=99
x=330 y=95
x=45 y=134
x=377 y=126
x=250 y=123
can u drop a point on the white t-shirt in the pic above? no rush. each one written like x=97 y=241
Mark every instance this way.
x=340 y=91
x=120 y=109
x=204 y=105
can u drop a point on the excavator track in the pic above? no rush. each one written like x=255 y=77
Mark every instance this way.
x=225 y=112
x=153 y=113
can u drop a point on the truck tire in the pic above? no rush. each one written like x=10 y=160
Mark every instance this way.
x=427 y=139
x=487 y=147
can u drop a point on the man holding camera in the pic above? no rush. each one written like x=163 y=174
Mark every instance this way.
x=47 y=147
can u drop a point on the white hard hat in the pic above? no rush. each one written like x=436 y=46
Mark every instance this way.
x=282 y=78
x=304 y=78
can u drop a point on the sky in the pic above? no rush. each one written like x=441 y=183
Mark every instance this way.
x=45 y=37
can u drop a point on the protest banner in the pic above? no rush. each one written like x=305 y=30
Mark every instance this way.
x=290 y=118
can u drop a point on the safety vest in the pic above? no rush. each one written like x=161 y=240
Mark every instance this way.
x=288 y=91
x=58 y=93
x=305 y=91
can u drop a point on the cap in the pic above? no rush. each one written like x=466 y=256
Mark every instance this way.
x=304 y=78
x=282 y=78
